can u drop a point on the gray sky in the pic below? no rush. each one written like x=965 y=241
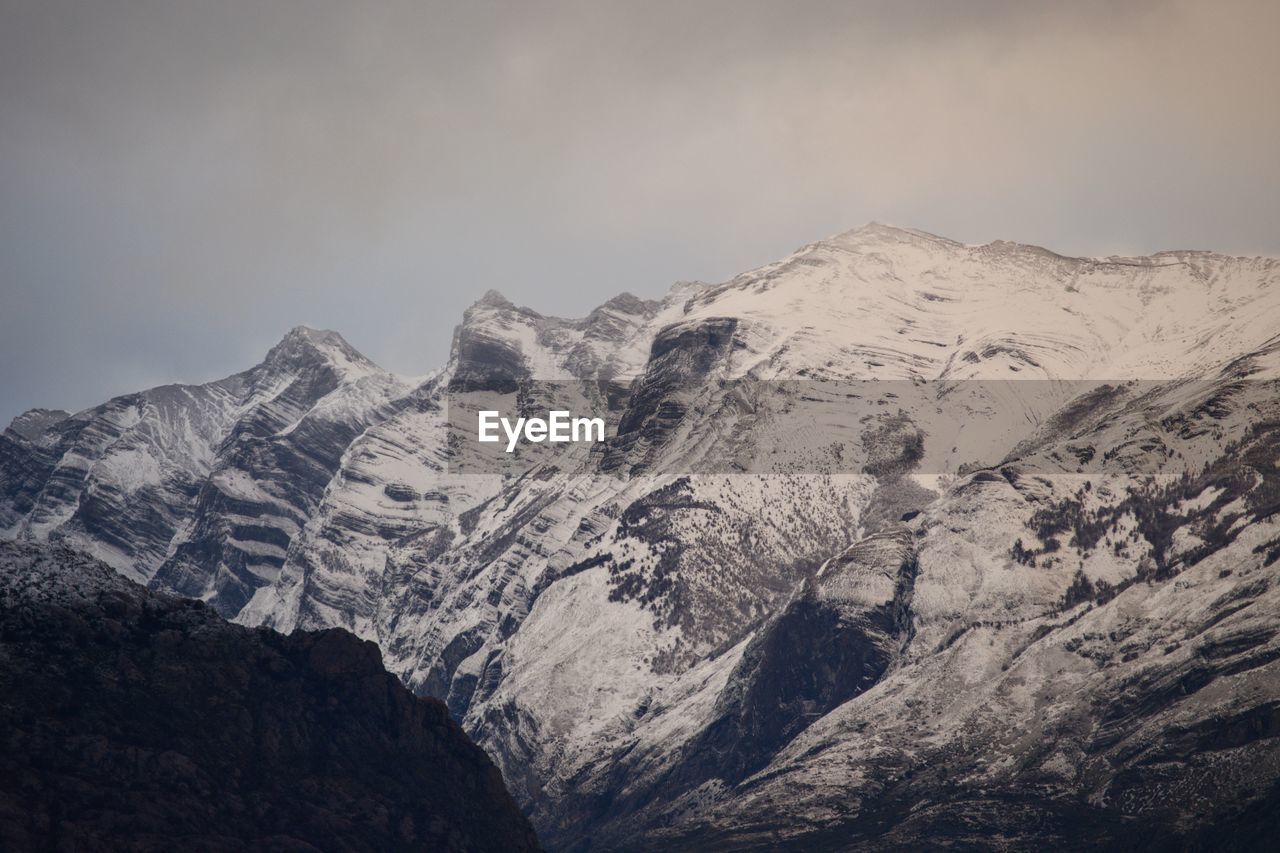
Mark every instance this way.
x=182 y=182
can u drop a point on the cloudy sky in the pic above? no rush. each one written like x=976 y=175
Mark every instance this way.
x=181 y=182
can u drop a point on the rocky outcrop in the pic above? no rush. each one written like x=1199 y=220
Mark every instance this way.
x=138 y=721
x=197 y=489
x=835 y=640
x=683 y=360
x=273 y=467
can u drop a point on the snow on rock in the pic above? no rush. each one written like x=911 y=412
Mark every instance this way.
x=725 y=627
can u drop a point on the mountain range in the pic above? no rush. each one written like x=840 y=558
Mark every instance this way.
x=1032 y=602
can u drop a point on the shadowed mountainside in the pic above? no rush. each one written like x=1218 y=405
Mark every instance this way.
x=138 y=721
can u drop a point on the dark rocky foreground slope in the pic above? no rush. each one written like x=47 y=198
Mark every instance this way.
x=136 y=721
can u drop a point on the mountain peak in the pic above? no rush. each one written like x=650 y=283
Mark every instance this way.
x=314 y=336
x=876 y=226
x=493 y=299
x=32 y=423
x=303 y=346
x=628 y=303
x=874 y=231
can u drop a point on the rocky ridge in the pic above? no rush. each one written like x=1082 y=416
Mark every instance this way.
x=139 y=721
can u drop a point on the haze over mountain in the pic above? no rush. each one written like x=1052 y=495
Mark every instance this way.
x=1051 y=620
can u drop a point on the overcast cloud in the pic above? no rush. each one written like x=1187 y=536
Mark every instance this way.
x=181 y=182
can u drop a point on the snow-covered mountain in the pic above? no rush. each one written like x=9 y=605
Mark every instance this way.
x=196 y=488
x=985 y=608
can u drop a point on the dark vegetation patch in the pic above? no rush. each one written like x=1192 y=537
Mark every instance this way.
x=1246 y=480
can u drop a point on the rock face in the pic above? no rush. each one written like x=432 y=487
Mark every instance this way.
x=984 y=611
x=198 y=489
x=835 y=640
x=136 y=721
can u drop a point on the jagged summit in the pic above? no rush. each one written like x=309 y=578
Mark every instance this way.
x=624 y=305
x=303 y=346
x=628 y=302
x=32 y=423
x=134 y=477
x=493 y=299
x=306 y=336
x=314 y=336
x=494 y=304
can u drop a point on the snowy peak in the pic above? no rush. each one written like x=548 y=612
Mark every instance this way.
x=886 y=302
x=493 y=299
x=131 y=479
x=318 y=338
x=499 y=342
x=304 y=347
x=878 y=233
x=32 y=424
